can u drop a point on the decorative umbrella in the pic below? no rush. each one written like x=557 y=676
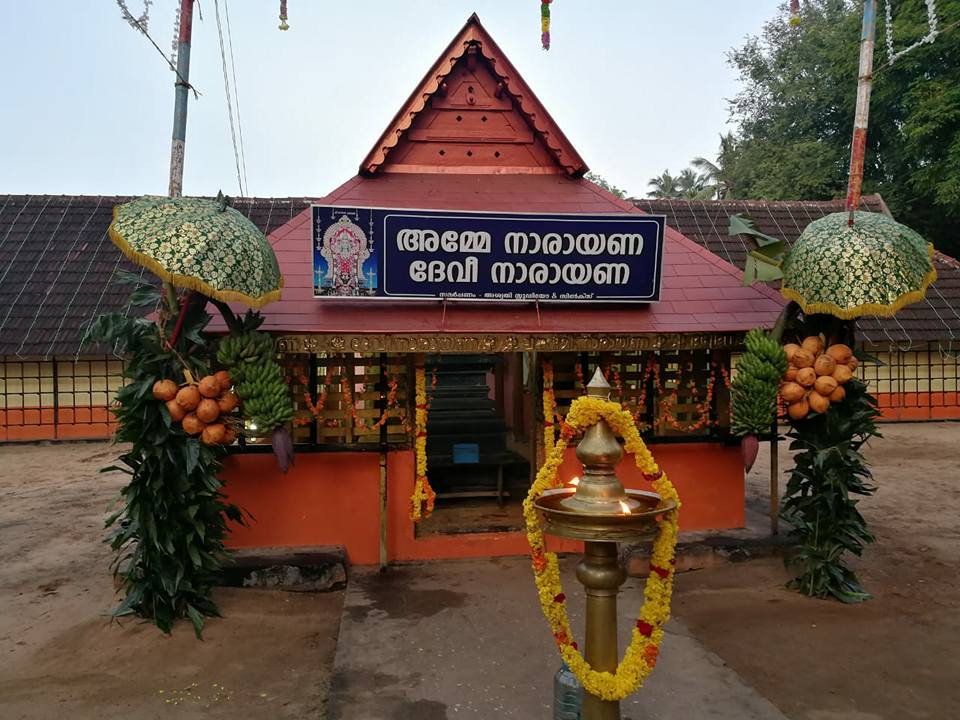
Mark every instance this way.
x=198 y=244
x=875 y=266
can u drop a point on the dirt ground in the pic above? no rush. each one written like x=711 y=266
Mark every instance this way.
x=893 y=657
x=60 y=656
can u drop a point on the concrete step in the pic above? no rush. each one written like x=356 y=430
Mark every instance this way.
x=302 y=569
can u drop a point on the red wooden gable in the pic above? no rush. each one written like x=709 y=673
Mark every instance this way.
x=474 y=114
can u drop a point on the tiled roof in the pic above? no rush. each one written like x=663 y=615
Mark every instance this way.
x=57 y=263
x=700 y=291
x=474 y=58
x=937 y=318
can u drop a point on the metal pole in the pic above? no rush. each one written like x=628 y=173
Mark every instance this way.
x=602 y=576
x=182 y=90
x=774 y=479
x=862 y=114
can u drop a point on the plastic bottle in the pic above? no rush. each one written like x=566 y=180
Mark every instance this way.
x=567 y=695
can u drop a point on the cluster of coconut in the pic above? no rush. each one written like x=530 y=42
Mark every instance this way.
x=816 y=376
x=201 y=408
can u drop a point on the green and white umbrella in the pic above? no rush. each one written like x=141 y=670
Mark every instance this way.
x=198 y=244
x=875 y=266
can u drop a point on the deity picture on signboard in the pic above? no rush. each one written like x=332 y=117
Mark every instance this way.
x=345 y=261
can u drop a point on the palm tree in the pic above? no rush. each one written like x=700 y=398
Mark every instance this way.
x=664 y=186
x=692 y=186
x=719 y=175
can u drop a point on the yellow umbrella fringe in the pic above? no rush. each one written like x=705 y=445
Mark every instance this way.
x=188 y=282
x=866 y=309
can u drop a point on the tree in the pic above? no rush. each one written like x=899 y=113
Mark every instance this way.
x=664 y=186
x=598 y=179
x=794 y=114
x=718 y=176
x=692 y=185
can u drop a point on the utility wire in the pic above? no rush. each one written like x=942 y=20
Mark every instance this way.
x=132 y=20
x=226 y=88
x=236 y=95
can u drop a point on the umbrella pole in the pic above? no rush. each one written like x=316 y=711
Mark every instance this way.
x=864 y=85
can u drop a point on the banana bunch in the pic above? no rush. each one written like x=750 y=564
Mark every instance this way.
x=754 y=391
x=250 y=359
x=266 y=398
x=238 y=352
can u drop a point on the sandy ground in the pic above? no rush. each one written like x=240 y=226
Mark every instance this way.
x=60 y=656
x=894 y=657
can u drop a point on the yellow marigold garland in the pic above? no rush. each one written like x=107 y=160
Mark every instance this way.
x=549 y=407
x=421 y=503
x=641 y=656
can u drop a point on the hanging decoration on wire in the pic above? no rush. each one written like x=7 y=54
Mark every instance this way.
x=545 y=23
x=283 y=15
x=175 y=43
x=926 y=39
x=137 y=23
x=794 y=12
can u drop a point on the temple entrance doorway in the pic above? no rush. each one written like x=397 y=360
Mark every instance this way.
x=478 y=442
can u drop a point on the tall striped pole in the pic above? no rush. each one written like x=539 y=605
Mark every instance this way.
x=862 y=114
x=182 y=86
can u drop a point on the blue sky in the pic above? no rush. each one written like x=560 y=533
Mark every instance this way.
x=636 y=86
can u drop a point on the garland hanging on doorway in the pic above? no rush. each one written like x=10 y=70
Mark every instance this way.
x=421 y=503
x=641 y=655
x=549 y=408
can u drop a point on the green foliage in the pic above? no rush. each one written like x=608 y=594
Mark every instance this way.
x=763 y=262
x=794 y=114
x=753 y=391
x=598 y=179
x=819 y=502
x=168 y=531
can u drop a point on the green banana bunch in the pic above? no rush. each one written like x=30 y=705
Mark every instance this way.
x=258 y=379
x=754 y=391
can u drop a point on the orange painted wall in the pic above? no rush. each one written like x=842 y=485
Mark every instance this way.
x=333 y=499
x=73 y=423
x=919 y=406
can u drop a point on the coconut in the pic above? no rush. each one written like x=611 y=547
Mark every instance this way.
x=813 y=344
x=806 y=377
x=213 y=434
x=840 y=352
x=188 y=397
x=799 y=409
x=164 y=390
x=192 y=425
x=209 y=386
x=229 y=435
x=223 y=377
x=790 y=349
x=228 y=403
x=838 y=394
x=802 y=358
x=825 y=384
x=208 y=410
x=791 y=392
x=790 y=375
x=842 y=374
x=824 y=365
x=176 y=412
x=853 y=363
x=818 y=403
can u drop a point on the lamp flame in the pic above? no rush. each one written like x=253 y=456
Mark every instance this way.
x=624 y=507
x=575 y=481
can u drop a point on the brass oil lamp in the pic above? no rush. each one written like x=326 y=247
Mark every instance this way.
x=600 y=511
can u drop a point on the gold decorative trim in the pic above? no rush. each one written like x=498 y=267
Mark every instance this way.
x=487 y=343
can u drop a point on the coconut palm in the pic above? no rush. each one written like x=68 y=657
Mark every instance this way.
x=718 y=176
x=692 y=185
x=664 y=186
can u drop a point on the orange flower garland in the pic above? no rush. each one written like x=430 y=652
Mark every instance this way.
x=641 y=655
x=421 y=503
x=549 y=407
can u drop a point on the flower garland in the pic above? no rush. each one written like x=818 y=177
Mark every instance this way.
x=549 y=407
x=421 y=503
x=641 y=655
x=545 y=23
